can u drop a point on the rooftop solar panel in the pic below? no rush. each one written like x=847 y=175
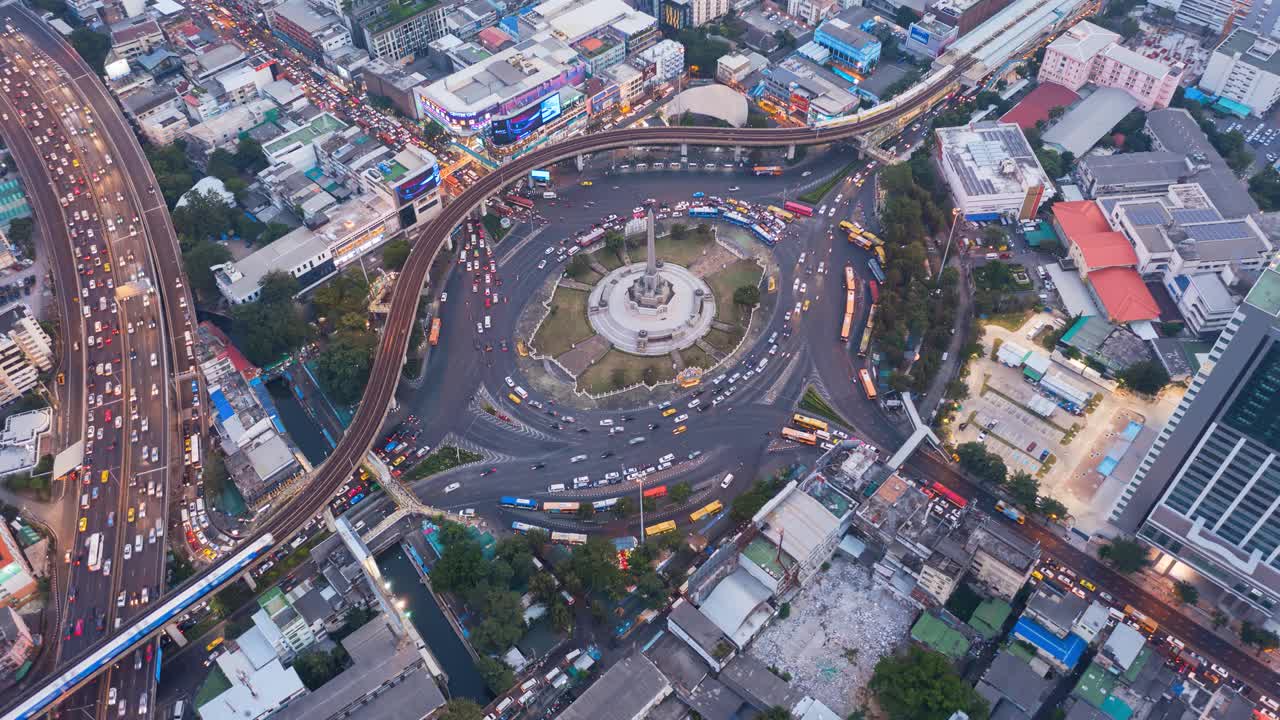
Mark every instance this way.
x=1219 y=231
x=1146 y=215
x=1195 y=215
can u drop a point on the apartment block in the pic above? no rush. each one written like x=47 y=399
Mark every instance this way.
x=17 y=581
x=1087 y=53
x=1245 y=69
x=402 y=30
x=25 y=331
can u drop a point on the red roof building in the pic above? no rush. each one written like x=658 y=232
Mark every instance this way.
x=1037 y=104
x=1090 y=240
x=1123 y=294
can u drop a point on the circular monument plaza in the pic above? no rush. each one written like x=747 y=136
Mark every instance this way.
x=651 y=308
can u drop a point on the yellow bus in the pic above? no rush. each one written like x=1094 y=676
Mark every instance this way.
x=707 y=510
x=848 y=226
x=848 y=303
x=809 y=423
x=850 y=282
x=800 y=437
x=845 y=327
x=880 y=256
x=780 y=213
x=865 y=344
x=868 y=387
x=660 y=528
x=872 y=237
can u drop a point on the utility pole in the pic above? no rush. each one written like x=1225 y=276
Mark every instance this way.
x=640 y=485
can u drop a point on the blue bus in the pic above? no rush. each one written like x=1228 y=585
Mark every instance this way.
x=875 y=269
x=704 y=212
x=763 y=235
x=736 y=219
x=508 y=501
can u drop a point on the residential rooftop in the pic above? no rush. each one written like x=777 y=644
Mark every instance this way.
x=625 y=691
x=396 y=13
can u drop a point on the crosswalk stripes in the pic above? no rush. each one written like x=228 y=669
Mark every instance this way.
x=516 y=426
x=464 y=444
x=775 y=390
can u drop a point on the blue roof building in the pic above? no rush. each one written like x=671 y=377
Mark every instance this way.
x=1061 y=652
x=849 y=44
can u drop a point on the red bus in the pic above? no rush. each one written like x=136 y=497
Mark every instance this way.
x=938 y=488
x=767 y=170
x=518 y=201
x=875 y=290
x=798 y=208
x=656 y=492
x=434 y=338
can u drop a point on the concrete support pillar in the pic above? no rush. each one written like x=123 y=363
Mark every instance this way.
x=791 y=151
x=175 y=634
x=737 y=153
x=684 y=151
x=580 y=162
x=248 y=580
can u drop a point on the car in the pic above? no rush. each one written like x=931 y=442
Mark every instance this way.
x=679 y=430
x=1088 y=584
x=84 y=524
x=510 y=382
x=1031 y=447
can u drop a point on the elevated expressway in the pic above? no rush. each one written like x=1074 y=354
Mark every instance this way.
x=385 y=374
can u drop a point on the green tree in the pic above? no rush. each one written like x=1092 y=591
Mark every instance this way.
x=317 y=667
x=249 y=157
x=1264 y=187
x=497 y=675
x=680 y=492
x=905 y=16
x=1051 y=508
x=777 y=712
x=346 y=294
x=272 y=326
x=618 y=378
x=1126 y=556
x=543 y=587
x=988 y=466
x=585 y=511
x=1147 y=377
x=343 y=366
x=922 y=685
x=461 y=709
x=622 y=508
x=748 y=295
x=198 y=261
x=395 y=253
x=615 y=243
x=1187 y=593
x=561 y=618
x=203 y=215
x=579 y=267
x=1261 y=638
x=91 y=46
x=595 y=563
x=1023 y=488
x=20 y=234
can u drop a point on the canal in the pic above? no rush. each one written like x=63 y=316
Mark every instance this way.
x=304 y=431
x=433 y=626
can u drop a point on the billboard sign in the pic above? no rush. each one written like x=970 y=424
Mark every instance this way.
x=411 y=189
x=540 y=176
x=920 y=36
x=515 y=128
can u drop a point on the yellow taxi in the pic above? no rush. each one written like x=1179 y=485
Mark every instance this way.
x=132 y=515
x=586 y=183
x=106 y=475
x=84 y=523
x=513 y=398
x=668 y=412
x=106 y=267
x=75 y=163
x=806 y=306
x=1037 y=574
x=1087 y=584
x=679 y=430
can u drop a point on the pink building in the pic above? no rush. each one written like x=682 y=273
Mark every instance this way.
x=1089 y=54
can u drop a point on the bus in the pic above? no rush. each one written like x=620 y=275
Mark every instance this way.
x=846 y=326
x=560 y=507
x=798 y=208
x=519 y=503
x=194 y=458
x=941 y=490
x=706 y=511
x=848 y=302
x=865 y=343
x=603 y=505
x=809 y=423
x=800 y=437
x=780 y=213
x=655 y=492
x=850 y=282
x=591 y=238
x=518 y=201
x=876 y=271
x=568 y=538
x=868 y=387
x=434 y=337
x=874 y=287
x=766 y=170
x=704 y=212
x=880 y=256
x=526 y=528
x=872 y=237
x=660 y=528
x=95 y=552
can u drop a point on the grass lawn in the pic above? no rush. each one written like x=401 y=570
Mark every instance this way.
x=724 y=282
x=444 y=458
x=213 y=686
x=723 y=341
x=566 y=325
x=681 y=252
x=607 y=258
x=695 y=356
x=815 y=404
x=1008 y=321
x=599 y=377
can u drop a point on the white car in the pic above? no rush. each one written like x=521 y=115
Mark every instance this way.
x=510 y=383
x=452 y=486
x=606 y=422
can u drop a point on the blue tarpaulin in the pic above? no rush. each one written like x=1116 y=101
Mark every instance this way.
x=1066 y=651
x=225 y=411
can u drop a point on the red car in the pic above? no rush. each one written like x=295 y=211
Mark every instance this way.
x=108 y=414
x=79 y=627
x=148 y=652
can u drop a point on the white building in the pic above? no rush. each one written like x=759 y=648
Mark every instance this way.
x=17 y=581
x=1211 y=14
x=15 y=641
x=1245 y=68
x=17 y=374
x=1203 y=299
x=704 y=11
x=260 y=683
x=992 y=171
x=667 y=57
x=24 y=330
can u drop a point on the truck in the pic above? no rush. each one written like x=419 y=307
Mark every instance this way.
x=1011 y=512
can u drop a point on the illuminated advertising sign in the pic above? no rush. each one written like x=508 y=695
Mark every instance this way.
x=920 y=36
x=799 y=103
x=354 y=246
x=540 y=176
x=519 y=126
x=411 y=189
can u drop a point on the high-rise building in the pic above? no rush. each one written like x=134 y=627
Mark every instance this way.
x=1211 y=14
x=15 y=641
x=1245 y=69
x=17 y=374
x=17 y=581
x=1208 y=490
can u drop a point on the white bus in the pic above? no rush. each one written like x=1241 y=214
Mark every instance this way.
x=95 y=551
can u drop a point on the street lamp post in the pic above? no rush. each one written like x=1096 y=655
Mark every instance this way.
x=640 y=486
